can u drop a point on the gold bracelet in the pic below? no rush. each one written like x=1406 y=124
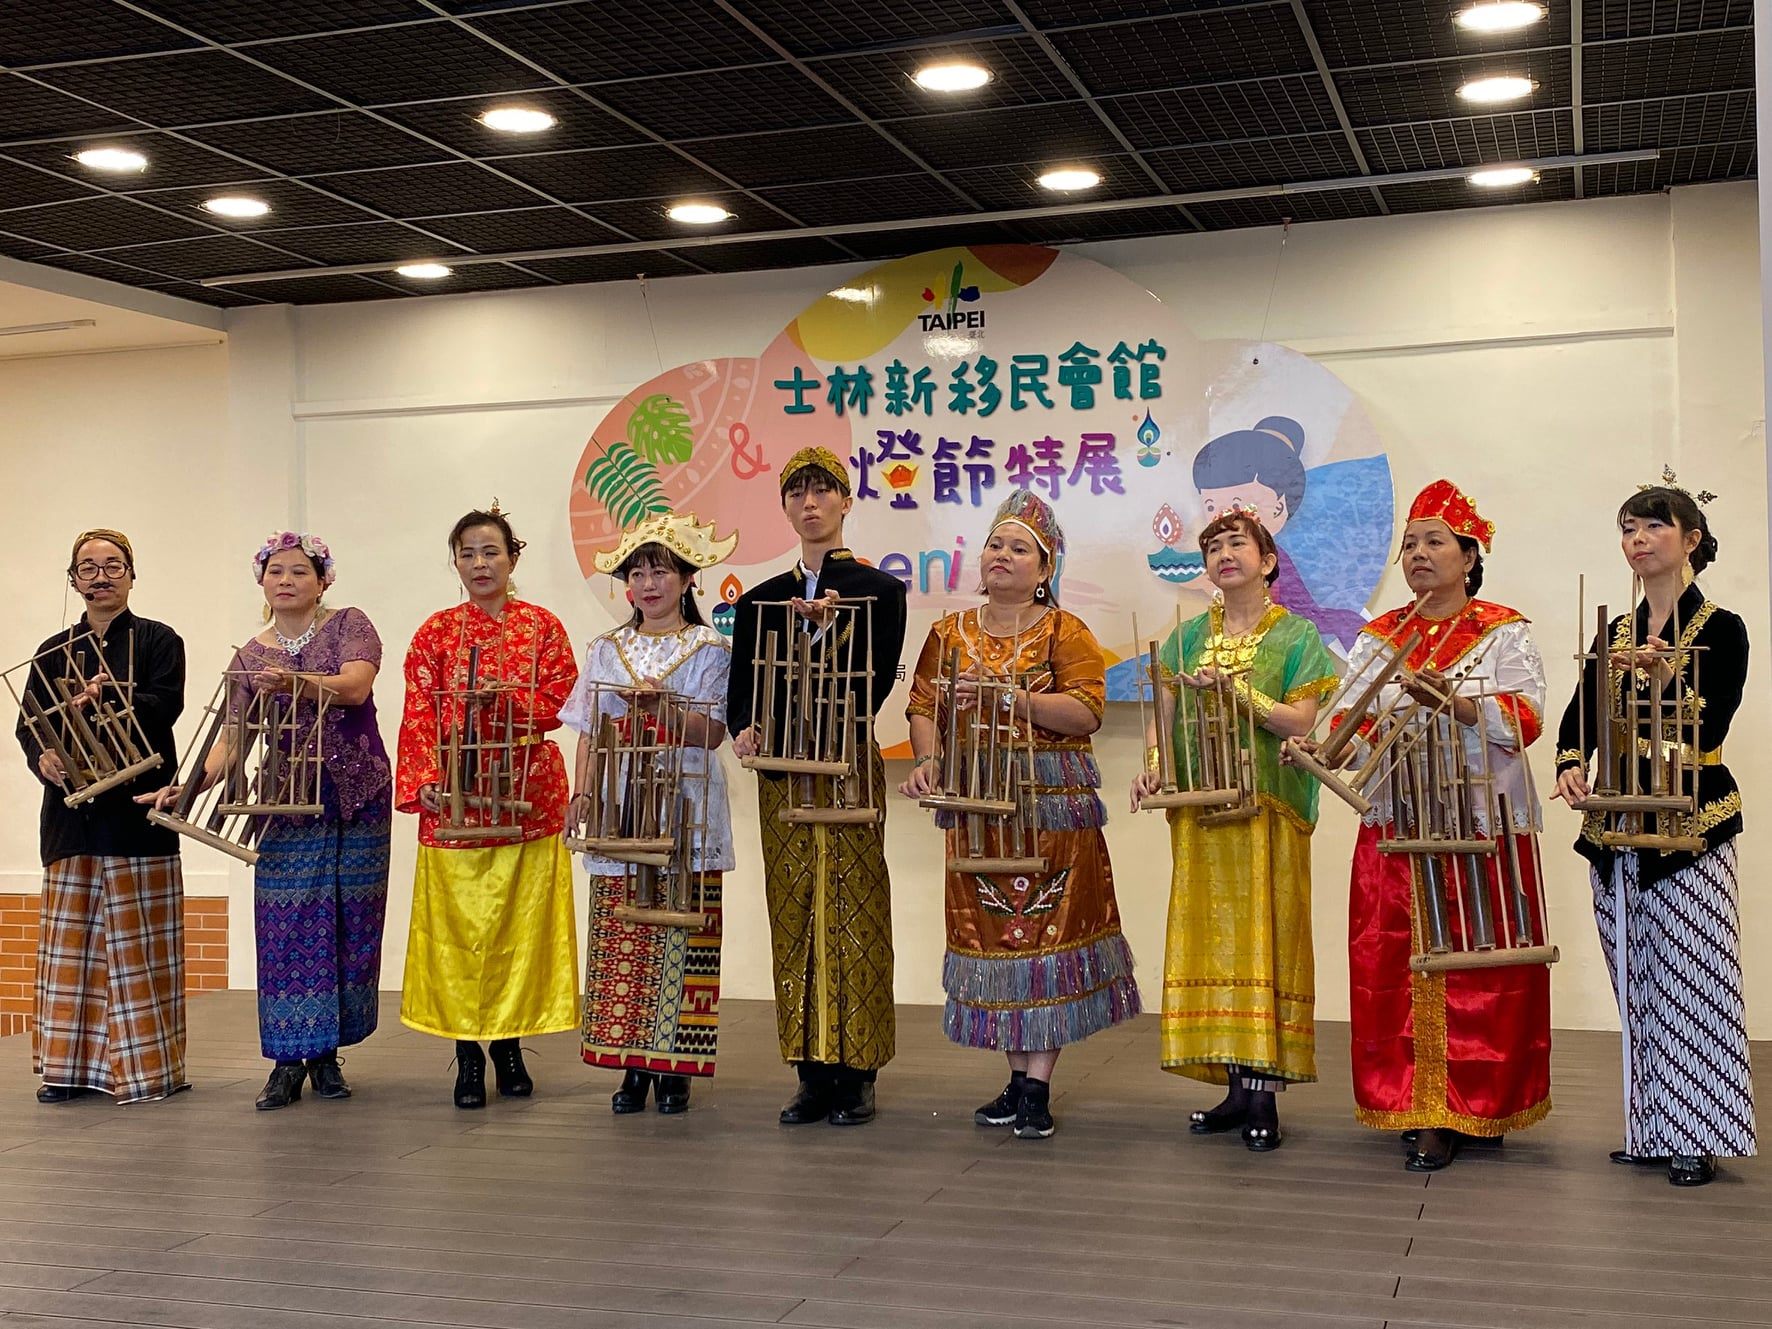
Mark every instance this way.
x=1152 y=758
x=1259 y=702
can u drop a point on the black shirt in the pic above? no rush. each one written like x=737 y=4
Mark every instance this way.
x=113 y=825
x=851 y=579
x=1722 y=674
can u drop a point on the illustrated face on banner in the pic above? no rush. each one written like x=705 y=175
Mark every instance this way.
x=949 y=379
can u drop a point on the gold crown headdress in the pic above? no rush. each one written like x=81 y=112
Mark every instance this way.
x=1669 y=481
x=697 y=545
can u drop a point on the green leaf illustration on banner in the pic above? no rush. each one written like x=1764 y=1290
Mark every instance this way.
x=660 y=431
x=626 y=484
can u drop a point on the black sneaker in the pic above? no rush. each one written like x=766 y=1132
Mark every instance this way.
x=1033 y=1115
x=1000 y=1111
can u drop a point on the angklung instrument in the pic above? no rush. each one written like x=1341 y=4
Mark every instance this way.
x=1205 y=740
x=482 y=734
x=1646 y=734
x=811 y=684
x=273 y=756
x=639 y=805
x=99 y=743
x=987 y=773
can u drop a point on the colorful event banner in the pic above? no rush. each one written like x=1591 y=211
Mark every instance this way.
x=951 y=378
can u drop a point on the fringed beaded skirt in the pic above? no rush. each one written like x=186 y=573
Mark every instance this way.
x=1037 y=960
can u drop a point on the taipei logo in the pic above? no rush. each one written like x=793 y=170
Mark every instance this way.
x=952 y=317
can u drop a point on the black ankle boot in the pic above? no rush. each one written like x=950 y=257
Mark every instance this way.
x=327 y=1079
x=507 y=1067
x=1261 y=1133
x=1000 y=1111
x=470 y=1075
x=1033 y=1115
x=1228 y=1115
x=631 y=1097
x=673 y=1094
x=284 y=1086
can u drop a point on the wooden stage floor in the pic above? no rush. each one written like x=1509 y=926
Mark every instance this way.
x=395 y=1208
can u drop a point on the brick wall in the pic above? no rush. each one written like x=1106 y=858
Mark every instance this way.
x=206 y=953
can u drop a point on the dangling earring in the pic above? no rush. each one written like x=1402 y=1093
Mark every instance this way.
x=1040 y=591
x=1686 y=573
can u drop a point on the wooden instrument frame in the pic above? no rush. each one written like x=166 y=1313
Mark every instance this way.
x=481 y=757
x=636 y=806
x=987 y=775
x=101 y=745
x=813 y=733
x=273 y=764
x=1617 y=792
x=1218 y=727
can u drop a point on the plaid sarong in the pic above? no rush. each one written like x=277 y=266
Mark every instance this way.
x=111 y=977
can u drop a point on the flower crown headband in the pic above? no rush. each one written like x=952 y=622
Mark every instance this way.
x=311 y=545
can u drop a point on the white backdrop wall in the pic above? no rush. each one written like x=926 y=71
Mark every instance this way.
x=1547 y=358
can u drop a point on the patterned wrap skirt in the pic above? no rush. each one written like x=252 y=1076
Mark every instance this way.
x=652 y=993
x=320 y=894
x=111 y=977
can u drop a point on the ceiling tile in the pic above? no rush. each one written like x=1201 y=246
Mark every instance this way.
x=1431 y=145
x=1255 y=162
x=796 y=156
x=1187 y=48
x=371 y=242
x=531 y=228
x=323 y=290
x=454 y=123
x=250 y=20
x=620 y=39
x=1237 y=212
x=1373 y=32
x=1675 y=166
x=1722 y=117
x=1271 y=106
x=420 y=62
x=744 y=257
x=292 y=204
x=1018 y=186
x=427 y=191
x=212 y=257
x=35 y=34
x=476 y=277
x=312 y=144
x=28 y=110
x=1668 y=67
x=694 y=105
x=1011 y=134
x=820 y=28
x=587 y=177
x=172 y=162
x=188 y=89
x=23 y=187
x=611 y=267
x=1603 y=19
x=95 y=223
x=645 y=219
x=1430 y=91
x=880 y=82
x=879 y=198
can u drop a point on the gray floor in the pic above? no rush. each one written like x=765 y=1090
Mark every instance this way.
x=396 y=1208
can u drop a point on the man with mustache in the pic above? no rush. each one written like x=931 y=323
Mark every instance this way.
x=110 y=1011
x=830 y=899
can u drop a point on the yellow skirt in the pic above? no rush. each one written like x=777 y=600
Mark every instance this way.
x=493 y=951
x=1239 y=975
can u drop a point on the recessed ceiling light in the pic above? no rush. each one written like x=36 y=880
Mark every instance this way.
x=1500 y=177
x=951 y=76
x=423 y=271
x=1499 y=88
x=230 y=205
x=1067 y=179
x=517 y=120
x=1498 y=16
x=112 y=159
x=699 y=214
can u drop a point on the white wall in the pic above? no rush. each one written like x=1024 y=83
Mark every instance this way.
x=1547 y=358
x=138 y=441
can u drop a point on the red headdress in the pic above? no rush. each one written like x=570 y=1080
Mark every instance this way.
x=1443 y=501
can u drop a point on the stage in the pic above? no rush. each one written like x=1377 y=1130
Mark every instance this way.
x=396 y=1207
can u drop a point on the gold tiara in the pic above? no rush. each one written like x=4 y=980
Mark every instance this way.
x=1668 y=481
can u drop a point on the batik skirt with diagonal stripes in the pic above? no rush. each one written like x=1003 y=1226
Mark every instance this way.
x=1673 y=949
